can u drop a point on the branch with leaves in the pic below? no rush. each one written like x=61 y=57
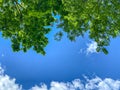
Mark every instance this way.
x=100 y=19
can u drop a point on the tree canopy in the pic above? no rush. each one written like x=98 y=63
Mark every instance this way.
x=24 y=21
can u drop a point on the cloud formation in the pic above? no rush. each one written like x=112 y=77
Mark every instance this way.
x=6 y=83
x=91 y=84
x=91 y=47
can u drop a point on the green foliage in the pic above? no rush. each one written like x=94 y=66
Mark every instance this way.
x=0 y=1
x=23 y=22
x=101 y=18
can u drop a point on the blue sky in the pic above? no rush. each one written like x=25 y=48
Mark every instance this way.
x=65 y=61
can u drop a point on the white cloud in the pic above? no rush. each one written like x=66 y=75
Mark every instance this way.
x=91 y=47
x=99 y=84
x=91 y=84
x=42 y=87
x=6 y=83
x=74 y=85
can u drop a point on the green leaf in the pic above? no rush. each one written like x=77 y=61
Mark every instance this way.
x=105 y=50
x=98 y=49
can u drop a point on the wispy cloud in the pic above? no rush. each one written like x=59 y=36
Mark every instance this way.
x=91 y=47
x=2 y=55
x=42 y=87
x=6 y=83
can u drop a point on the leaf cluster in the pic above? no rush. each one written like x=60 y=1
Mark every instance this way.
x=24 y=22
